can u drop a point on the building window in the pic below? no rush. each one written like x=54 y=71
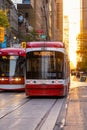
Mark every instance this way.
x=26 y=15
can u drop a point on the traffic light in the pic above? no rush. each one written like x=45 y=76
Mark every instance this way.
x=2 y=33
x=23 y=44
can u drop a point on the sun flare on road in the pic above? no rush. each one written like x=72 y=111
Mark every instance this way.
x=72 y=10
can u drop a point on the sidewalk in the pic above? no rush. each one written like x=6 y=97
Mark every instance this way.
x=76 y=116
x=74 y=78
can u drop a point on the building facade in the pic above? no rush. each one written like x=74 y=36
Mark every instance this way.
x=66 y=33
x=82 y=38
x=59 y=4
x=44 y=16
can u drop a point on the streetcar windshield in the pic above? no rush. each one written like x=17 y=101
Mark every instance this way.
x=44 y=65
x=12 y=66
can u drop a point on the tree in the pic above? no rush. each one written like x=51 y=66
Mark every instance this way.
x=4 y=19
x=32 y=36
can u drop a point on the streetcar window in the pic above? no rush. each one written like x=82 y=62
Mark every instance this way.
x=12 y=65
x=9 y=57
x=45 y=65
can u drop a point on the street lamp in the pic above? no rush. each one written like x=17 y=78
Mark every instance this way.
x=14 y=38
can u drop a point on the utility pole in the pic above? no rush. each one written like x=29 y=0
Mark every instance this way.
x=46 y=22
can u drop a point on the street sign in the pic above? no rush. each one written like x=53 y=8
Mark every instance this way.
x=4 y=44
x=43 y=36
x=2 y=33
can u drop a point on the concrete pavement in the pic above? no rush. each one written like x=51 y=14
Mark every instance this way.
x=76 y=113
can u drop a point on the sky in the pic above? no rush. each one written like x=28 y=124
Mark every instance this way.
x=17 y=1
x=72 y=9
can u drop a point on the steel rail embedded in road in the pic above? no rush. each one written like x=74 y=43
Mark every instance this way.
x=19 y=112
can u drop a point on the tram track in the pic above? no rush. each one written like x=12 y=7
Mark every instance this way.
x=7 y=98
x=11 y=108
x=46 y=118
x=31 y=113
x=15 y=108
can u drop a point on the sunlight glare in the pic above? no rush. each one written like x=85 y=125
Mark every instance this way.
x=72 y=10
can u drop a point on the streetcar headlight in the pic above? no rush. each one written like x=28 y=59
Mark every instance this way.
x=2 y=79
x=17 y=79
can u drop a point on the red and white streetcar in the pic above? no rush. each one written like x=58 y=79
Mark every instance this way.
x=47 y=69
x=12 y=69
